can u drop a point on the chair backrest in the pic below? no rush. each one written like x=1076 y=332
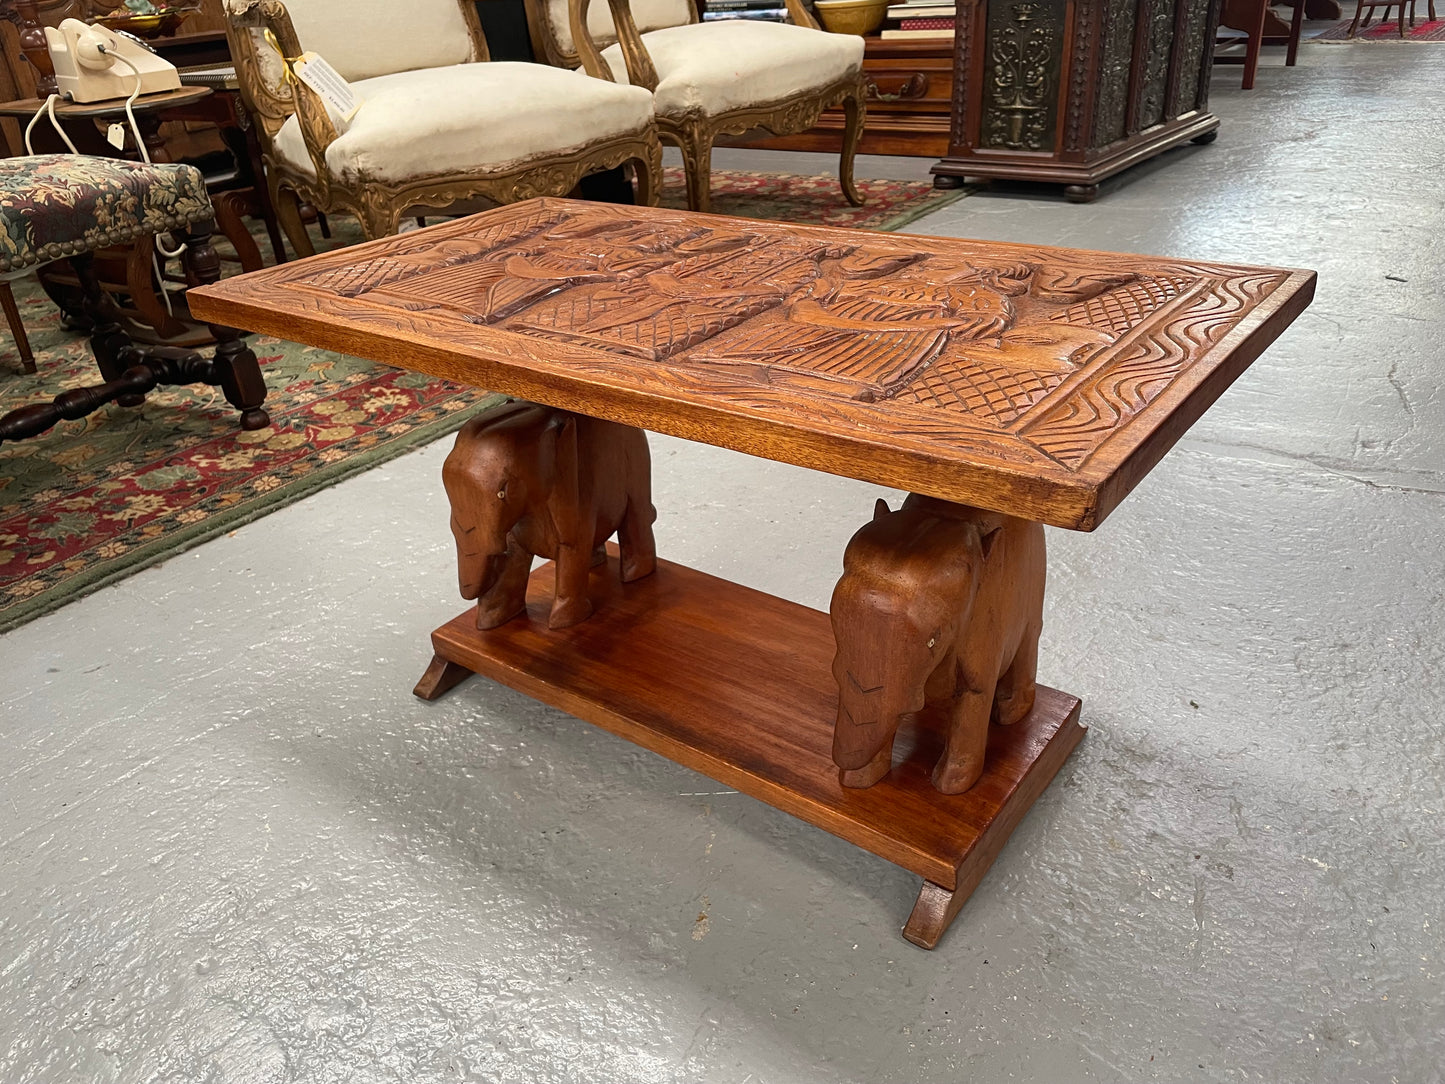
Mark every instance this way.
x=374 y=40
x=551 y=26
x=365 y=38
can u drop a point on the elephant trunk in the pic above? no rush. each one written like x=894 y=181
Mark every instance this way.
x=476 y=573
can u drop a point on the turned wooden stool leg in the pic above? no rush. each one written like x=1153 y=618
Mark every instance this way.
x=109 y=342
x=17 y=328
x=237 y=370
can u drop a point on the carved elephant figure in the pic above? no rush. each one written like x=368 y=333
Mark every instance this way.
x=938 y=603
x=526 y=480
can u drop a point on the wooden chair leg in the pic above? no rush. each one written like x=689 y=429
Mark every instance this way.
x=288 y=211
x=697 y=164
x=1296 y=26
x=648 y=174
x=17 y=328
x=854 y=115
x=229 y=208
x=1251 y=49
x=1355 y=23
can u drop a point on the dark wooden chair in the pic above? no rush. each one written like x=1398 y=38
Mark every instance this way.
x=1366 y=10
x=1254 y=18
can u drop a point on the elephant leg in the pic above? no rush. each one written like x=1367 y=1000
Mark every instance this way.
x=634 y=537
x=962 y=761
x=570 y=604
x=599 y=555
x=507 y=597
x=1014 y=698
x=874 y=770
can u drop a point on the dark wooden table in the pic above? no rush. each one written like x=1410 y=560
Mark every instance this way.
x=1005 y=385
x=147 y=108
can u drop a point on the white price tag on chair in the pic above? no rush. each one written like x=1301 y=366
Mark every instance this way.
x=328 y=84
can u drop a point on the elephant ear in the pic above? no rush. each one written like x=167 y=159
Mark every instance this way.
x=567 y=482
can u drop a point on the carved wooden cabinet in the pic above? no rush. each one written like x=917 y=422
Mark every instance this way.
x=1073 y=91
x=910 y=95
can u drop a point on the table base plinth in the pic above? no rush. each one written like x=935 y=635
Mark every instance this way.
x=737 y=684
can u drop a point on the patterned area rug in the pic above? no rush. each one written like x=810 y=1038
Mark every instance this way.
x=1387 y=31
x=94 y=500
x=785 y=197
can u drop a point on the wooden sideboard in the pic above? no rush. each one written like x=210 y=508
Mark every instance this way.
x=910 y=95
x=1074 y=91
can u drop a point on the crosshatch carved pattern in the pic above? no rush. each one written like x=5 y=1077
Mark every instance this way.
x=1025 y=357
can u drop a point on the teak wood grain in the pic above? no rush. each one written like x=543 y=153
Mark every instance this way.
x=1040 y=382
x=736 y=684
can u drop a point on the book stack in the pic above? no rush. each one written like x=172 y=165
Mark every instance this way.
x=768 y=11
x=920 y=20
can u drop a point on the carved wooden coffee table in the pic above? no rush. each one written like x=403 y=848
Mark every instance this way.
x=1006 y=386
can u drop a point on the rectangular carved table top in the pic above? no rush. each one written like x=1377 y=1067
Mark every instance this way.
x=1039 y=382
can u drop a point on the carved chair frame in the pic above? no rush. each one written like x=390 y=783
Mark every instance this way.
x=377 y=205
x=695 y=134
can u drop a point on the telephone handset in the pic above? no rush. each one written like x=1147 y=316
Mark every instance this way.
x=94 y=64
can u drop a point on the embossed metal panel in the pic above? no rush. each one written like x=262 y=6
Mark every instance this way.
x=1013 y=377
x=1158 y=43
x=1111 y=110
x=1191 y=55
x=1022 y=68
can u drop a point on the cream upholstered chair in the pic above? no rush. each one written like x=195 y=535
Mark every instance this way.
x=434 y=126
x=710 y=79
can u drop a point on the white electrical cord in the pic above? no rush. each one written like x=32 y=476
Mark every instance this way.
x=129 y=114
x=48 y=107
x=145 y=156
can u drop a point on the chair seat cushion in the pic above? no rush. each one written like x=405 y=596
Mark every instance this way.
x=706 y=69
x=470 y=118
x=58 y=205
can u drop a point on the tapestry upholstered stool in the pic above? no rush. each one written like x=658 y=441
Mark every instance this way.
x=65 y=206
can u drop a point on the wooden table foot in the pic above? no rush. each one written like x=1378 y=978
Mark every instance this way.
x=440 y=676
x=933 y=912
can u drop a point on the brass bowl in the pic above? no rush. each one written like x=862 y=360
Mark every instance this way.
x=859 y=17
x=158 y=25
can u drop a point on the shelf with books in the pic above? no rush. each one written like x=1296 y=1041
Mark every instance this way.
x=771 y=11
x=920 y=20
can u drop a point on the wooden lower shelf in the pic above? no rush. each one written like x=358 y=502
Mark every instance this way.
x=737 y=685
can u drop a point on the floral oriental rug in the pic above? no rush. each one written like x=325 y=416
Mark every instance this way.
x=95 y=500
x=1424 y=31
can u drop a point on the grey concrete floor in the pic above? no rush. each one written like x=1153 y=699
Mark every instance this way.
x=233 y=847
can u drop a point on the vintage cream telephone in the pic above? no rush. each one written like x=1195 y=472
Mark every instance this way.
x=93 y=64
